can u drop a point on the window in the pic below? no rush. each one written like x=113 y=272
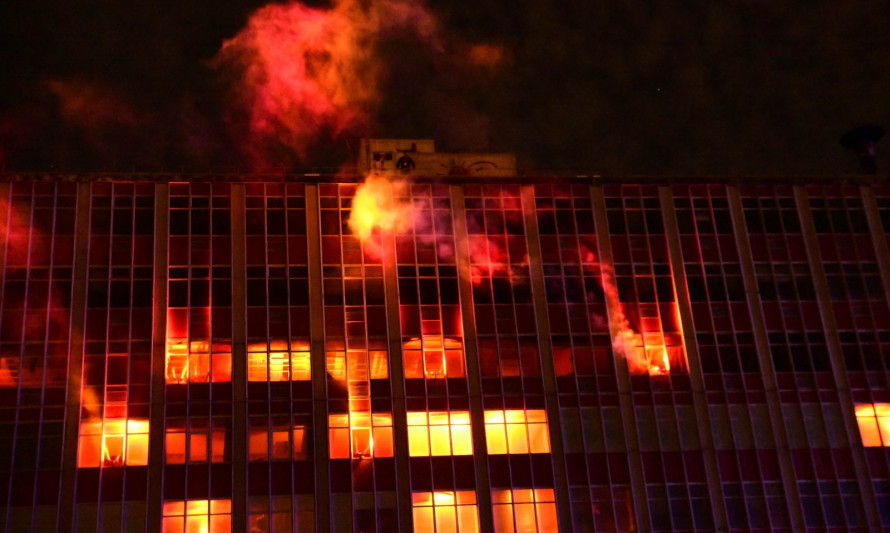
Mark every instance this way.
x=517 y=431
x=113 y=442
x=277 y=362
x=357 y=365
x=439 y=433
x=445 y=512
x=210 y=516
x=521 y=510
x=874 y=423
x=197 y=362
x=194 y=444
x=433 y=356
x=283 y=441
x=365 y=434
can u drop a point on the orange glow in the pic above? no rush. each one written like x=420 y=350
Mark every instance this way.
x=186 y=362
x=874 y=424
x=114 y=442
x=197 y=516
x=360 y=435
x=376 y=207
x=179 y=445
x=445 y=512
x=489 y=258
x=524 y=510
x=439 y=433
x=429 y=357
x=517 y=431
x=303 y=70
x=275 y=363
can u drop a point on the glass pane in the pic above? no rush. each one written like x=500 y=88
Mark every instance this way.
x=423 y=519
x=517 y=437
x=418 y=441
x=495 y=439
x=137 y=449
x=446 y=520
x=461 y=440
x=538 y=438
x=440 y=440
x=503 y=519
x=382 y=442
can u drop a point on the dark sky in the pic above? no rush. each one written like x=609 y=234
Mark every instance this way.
x=642 y=87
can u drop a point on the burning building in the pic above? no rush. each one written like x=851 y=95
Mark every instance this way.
x=442 y=343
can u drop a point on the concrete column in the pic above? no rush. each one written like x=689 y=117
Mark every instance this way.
x=239 y=358
x=545 y=353
x=158 y=356
x=318 y=364
x=836 y=356
x=75 y=358
x=696 y=376
x=622 y=373
x=764 y=361
x=471 y=350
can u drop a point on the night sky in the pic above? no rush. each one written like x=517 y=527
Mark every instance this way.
x=634 y=87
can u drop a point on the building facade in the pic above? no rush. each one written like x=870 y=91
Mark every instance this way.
x=525 y=353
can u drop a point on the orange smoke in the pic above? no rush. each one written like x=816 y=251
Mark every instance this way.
x=91 y=106
x=303 y=70
x=627 y=342
x=487 y=55
x=374 y=208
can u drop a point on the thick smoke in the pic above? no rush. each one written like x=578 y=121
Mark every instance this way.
x=303 y=72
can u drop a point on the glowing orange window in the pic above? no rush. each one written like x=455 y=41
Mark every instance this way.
x=517 y=431
x=357 y=365
x=197 y=362
x=360 y=435
x=196 y=445
x=521 y=510
x=439 y=433
x=277 y=362
x=112 y=442
x=197 y=516
x=445 y=512
x=282 y=443
x=874 y=423
x=433 y=356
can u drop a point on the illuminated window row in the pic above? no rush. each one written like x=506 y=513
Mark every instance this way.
x=285 y=444
x=360 y=435
x=874 y=424
x=520 y=510
x=202 y=362
x=439 y=433
x=199 y=444
x=515 y=511
x=197 y=516
x=445 y=512
x=112 y=442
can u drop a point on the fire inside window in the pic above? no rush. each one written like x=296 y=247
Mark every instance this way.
x=521 y=510
x=197 y=362
x=107 y=436
x=282 y=442
x=358 y=365
x=516 y=431
x=439 y=433
x=197 y=516
x=433 y=356
x=113 y=442
x=277 y=362
x=360 y=435
x=874 y=424
x=196 y=445
x=445 y=512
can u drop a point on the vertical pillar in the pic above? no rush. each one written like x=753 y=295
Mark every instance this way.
x=75 y=358
x=878 y=236
x=158 y=356
x=764 y=361
x=622 y=373
x=471 y=351
x=545 y=350
x=318 y=364
x=397 y=380
x=696 y=376
x=239 y=359
x=836 y=356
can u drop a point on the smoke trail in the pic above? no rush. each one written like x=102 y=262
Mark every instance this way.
x=305 y=70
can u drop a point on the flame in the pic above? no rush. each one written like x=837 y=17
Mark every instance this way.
x=303 y=70
x=376 y=207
